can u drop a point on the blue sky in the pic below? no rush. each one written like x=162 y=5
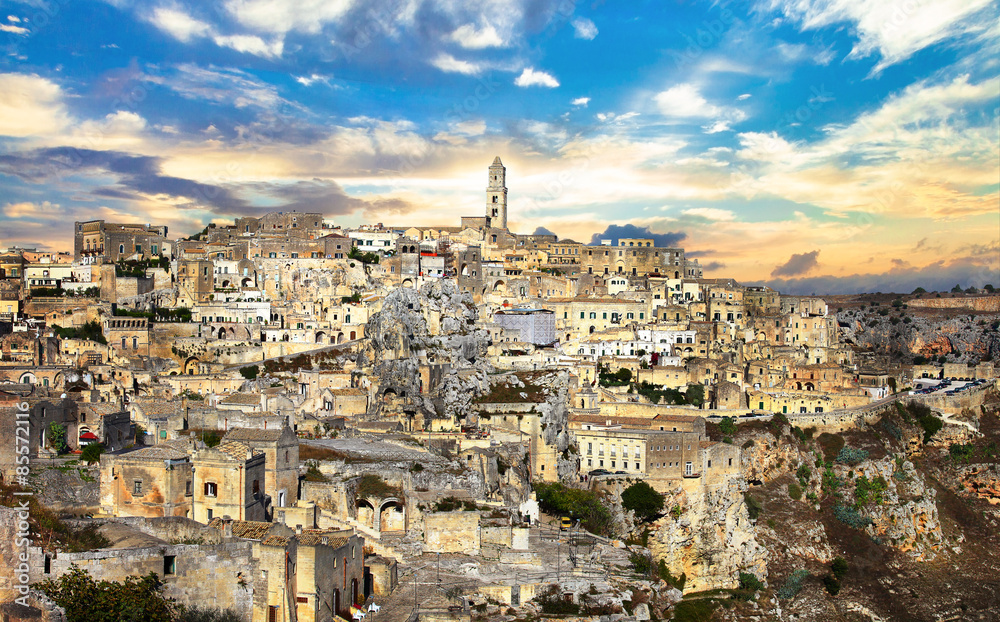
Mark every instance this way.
x=815 y=145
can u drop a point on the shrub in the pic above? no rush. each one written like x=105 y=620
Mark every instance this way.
x=727 y=426
x=865 y=490
x=57 y=437
x=749 y=581
x=753 y=505
x=250 y=372
x=642 y=564
x=552 y=602
x=803 y=473
x=839 y=567
x=832 y=584
x=643 y=500
x=87 y=600
x=922 y=413
x=416 y=467
x=677 y=582
x=92 y=453
x=851 y=517
x=794 y=491
x=851 y=456
x=555 y=498
x=792 y=585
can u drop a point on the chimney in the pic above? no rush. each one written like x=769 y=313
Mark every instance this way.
x=227 y=527
x=298 y=529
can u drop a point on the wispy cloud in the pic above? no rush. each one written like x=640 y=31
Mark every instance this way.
x=583 y=28
x=893 y=30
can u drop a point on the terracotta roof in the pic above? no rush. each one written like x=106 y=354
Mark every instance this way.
x=275 y=541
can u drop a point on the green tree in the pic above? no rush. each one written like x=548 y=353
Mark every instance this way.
x=57 y=437
x=86 y=600
x=695 y=394
x=839 y=567
x=920 y=290
x=249 y=372
x=727 y=426
x=643 y=500
x=92 y=453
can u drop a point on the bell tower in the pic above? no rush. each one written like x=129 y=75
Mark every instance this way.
x=496 y=195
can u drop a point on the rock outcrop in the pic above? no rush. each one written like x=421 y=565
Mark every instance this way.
x=712 y=540
x=433 y=326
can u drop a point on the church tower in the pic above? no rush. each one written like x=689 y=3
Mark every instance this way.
x=496 y=195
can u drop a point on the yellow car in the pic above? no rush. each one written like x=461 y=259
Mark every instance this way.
x=566 y=523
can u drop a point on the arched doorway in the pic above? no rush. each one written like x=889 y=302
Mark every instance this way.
x=366 y=513
x=222 y=333
x=392 y=516
x=320 y=336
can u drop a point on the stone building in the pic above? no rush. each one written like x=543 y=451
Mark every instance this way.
x=101 y=241
x=281 y=460
x=229 y=480
x=148 y=481
x=128 y=336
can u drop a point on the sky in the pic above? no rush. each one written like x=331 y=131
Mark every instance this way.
x=816 y=146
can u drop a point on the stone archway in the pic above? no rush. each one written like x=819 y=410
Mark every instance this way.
x=366 y=513
x=191 y=366
x=391 y=515
x=320 y=336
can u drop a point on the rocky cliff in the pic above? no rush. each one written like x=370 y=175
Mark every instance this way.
x=711 y=540
x=901 y=333
x=435 y=325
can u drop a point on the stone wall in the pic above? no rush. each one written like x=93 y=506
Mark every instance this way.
x=452 y=532
x=203 y=575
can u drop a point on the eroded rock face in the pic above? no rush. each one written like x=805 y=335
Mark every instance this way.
x=712 y=541
x=982 y=480
x=907 y=516
x=764 y=457
x=968 y=341
x=435 y=325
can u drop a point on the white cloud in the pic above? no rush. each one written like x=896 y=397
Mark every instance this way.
x=185 y=28
x=179 y=24
x=251 y=44
x=281 y=16
x=17 y=30
x=743 y=97
x=583 y=28
x=581 y=101
x=30 y=106
x=471 y=38
x=684 y=101
x=895 y=30
x=311 y=79
x=530 y=77
x=449 y=64
x=13 y=18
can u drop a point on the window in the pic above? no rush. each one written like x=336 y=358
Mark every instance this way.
x=256 y=487
x=211 y=489
x=688 y=468
x=169 y=564
x=209 y=513
x=137 y=488
x=187 y=488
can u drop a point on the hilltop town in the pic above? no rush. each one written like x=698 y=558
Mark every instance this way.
x=288 y=420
